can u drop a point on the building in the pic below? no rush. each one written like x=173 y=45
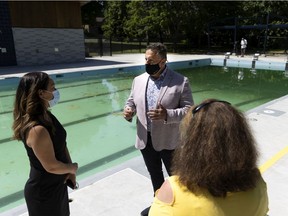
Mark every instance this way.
x=40 y=32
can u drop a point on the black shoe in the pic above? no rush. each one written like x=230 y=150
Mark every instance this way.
x=145 y=212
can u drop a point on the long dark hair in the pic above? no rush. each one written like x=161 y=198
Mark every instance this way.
x=217 y=150
x=29 y=108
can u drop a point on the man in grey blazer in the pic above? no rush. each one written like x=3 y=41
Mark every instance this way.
x=159 y=98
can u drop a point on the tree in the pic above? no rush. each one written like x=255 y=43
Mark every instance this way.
x=188 y=21
x=89 y=12
x=268 y=13
x=115 y=14
x=144 y=20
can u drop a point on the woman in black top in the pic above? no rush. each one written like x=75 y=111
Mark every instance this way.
x=45 y=141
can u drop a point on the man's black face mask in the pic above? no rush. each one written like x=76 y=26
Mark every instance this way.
x=152 y=69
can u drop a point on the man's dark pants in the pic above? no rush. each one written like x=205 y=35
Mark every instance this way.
x=153 y=160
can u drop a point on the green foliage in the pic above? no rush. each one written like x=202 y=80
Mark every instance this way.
x=189 y=21
x=145 y=18
x=92 y=10
x=115 y=14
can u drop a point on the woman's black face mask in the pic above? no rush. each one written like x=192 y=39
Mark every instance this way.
x=152 y=69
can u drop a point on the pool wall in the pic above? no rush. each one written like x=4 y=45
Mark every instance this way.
x=7 y=80
x=189 y=64
x=255 y=64
x=241 y=63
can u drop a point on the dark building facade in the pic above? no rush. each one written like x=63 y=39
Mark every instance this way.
x=7 y=49
x=40 y=32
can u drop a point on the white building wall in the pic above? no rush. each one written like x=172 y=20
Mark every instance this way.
x=40 y=46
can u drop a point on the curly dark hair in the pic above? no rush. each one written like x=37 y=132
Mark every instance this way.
x=217 y=150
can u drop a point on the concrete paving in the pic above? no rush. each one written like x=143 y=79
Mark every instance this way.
x=120 y=60
x=126 y=189
x=269 y=124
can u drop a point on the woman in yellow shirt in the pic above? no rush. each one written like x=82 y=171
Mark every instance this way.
x=214 y=168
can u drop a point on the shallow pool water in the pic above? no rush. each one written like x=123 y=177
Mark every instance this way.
x=244 y=88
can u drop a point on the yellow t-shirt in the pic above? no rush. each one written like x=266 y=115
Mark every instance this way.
x=249 y=203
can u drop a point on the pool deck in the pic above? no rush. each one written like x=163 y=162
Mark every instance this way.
x=125 y=190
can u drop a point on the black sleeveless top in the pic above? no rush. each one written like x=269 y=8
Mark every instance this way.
x=45 y=193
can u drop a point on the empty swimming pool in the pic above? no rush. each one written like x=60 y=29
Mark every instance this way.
x=90 y=109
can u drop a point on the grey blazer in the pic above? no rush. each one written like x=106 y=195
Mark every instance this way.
x=175 y=95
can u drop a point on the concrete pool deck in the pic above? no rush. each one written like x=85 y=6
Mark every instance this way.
x=122 y=60
x=125 y=190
